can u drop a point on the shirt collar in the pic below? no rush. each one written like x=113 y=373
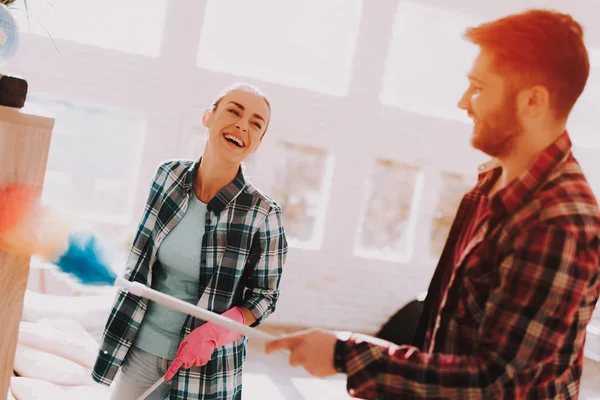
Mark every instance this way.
x=512 y=196
x=226 y=196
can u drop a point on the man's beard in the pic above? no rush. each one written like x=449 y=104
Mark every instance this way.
x=495 y=133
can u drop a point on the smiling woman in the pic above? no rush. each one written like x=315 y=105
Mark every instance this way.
x=237 y=120
x=207 y=237
x=240 y=115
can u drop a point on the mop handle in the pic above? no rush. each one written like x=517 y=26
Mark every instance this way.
x=140 y=290
x=152 y=388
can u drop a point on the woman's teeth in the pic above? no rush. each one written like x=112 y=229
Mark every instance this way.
x=235 y=140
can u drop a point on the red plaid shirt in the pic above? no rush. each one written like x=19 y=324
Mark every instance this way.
x=508 y=320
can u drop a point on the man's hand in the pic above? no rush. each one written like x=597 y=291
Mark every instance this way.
x=312 y=349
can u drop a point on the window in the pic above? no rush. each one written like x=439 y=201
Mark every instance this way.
x=93 y=162
x=132 y=26
x=428 y=61
x=452 y=189
x=386 y=226
x=307 y=45
x=302 y=182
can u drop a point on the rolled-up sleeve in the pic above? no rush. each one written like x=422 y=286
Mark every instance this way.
x=267 y=266
x=528 y=318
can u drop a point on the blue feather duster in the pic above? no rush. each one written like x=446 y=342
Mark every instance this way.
x=86 y=261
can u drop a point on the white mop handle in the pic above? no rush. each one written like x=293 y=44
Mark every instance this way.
x=138 y=289
x=151 y=389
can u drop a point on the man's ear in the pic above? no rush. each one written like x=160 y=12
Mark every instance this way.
x=206 y=117
x=535 y=100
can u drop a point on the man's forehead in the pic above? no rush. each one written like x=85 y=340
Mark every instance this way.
x=483 y=68
x=481 y=63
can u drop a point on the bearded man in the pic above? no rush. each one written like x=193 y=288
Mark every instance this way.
x=507 y=308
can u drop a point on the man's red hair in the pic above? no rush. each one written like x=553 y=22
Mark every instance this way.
x=538 y=47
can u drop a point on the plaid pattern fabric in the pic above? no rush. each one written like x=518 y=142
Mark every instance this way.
x=243 y=253
x=509 y=319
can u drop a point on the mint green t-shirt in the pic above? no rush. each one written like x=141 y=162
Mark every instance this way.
x=176 y=274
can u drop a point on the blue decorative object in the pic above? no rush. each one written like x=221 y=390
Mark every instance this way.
x=10 y=35
x=86 y=261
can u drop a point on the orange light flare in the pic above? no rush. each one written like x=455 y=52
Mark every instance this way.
x=26 y=227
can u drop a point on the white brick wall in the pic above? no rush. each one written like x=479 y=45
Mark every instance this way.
x=330 y=287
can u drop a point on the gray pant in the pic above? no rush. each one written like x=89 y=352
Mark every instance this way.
x=139 y=371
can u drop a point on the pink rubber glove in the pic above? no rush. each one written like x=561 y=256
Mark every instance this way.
x=197 y=347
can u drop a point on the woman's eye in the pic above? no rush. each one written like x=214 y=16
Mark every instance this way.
x=234 y=112
x=256 y=124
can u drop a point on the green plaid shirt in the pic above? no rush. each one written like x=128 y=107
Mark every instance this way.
x=243 y=252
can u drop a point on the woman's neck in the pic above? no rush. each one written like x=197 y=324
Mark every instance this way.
x=212 y=176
